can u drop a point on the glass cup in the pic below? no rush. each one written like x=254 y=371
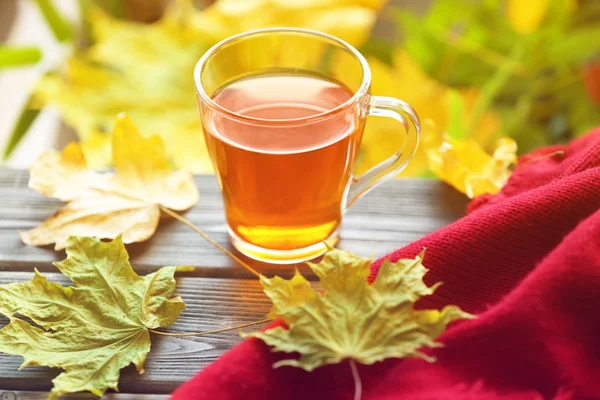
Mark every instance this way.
x=283 y=112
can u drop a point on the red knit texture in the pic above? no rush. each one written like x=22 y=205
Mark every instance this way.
x=526 y=260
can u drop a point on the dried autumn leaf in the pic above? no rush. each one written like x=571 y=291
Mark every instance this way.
x=94 y=328
x=352 y=319
x=106 y=205
x=466 y=166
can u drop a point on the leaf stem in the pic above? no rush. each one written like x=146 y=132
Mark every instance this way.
x=59 y=25
x=12 y=56
x=483 y=53
x=211 y=332
x=542 y=157
x=357 y=382
x=27 y=117
x=495 y=84
x=209 y=239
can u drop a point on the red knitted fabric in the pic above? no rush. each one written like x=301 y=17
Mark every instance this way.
x=527 y=261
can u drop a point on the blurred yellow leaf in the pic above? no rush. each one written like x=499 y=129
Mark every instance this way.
x=526 y=15
x=466 y=166
x=431 y=100
x=147 y=70
x=144 y=70
x=350 y=20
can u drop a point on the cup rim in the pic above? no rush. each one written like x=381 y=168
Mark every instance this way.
x=362 y=89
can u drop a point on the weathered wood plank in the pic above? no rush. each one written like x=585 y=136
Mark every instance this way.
x=212 y=303
x=391 y=216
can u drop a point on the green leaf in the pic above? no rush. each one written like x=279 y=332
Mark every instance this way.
x=582 y=113
x=418 y=42
x=459 y=43
x=496 y=82
x=94 y=328
x=456 y=107
x=575 y=46
x=116 y=8
x=28 y=115
x=61 y=28
x=427 y=175
x=11 y=57
x=352 y=319
x=85 y=31
x=380 y=48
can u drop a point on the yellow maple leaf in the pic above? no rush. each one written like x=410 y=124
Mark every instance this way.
x=105 y=205
x=467 y=167
x=351 y=319
x=431 y=100
x=93 y=328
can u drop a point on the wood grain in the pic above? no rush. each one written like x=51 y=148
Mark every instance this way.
x=219 y=293
x=389 y=217
x=212 y=303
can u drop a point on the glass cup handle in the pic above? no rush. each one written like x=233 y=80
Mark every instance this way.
x=381 y=106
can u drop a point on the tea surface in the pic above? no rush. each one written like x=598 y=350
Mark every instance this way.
x=283 y=179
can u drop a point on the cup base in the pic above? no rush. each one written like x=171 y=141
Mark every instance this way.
x=282 y=256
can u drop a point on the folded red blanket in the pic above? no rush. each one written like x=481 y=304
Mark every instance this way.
x=526 y=260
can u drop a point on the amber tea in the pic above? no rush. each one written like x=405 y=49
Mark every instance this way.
x=283 y=185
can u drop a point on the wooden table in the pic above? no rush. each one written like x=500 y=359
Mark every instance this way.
x=219 y=293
